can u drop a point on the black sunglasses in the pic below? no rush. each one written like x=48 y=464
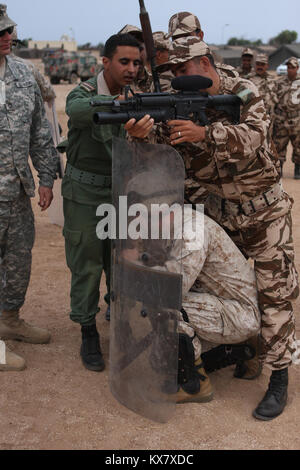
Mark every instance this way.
x=9 y=30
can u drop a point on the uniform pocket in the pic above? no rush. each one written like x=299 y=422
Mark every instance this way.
x=72 y=236
x=290 y=286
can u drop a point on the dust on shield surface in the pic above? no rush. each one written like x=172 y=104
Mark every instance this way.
x=146 y=288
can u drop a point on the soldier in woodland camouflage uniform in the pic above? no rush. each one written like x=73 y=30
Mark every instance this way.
x=287 y=115
x=235 y=163
x=266 y=85
x=24 y=130
x=246 y=63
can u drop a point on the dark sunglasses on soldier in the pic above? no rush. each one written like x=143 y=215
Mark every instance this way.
x=9 y=30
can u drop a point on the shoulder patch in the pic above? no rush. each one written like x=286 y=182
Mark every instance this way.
x=246 y=95
x=87 y=86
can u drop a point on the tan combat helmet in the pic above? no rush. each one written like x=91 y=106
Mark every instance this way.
x=248 y=51
x=160 y=41
x=183 y=23
x=184 y=49
x=262 y=58
x=133 y=30
x=293 y=61
x=5 y=21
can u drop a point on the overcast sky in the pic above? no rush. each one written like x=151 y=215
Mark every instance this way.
x=95 y=20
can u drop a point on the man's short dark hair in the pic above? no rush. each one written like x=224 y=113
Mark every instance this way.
x=119 y=40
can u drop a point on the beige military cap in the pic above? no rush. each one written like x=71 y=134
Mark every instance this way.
x=160 y=41
x=183 y=23
x=248 y=51
x=5 y=21
x=262 y=58
x=293 y=61
x=184 y=49
x=133 y=30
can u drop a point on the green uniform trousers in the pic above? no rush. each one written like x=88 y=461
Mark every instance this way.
x=87 y=256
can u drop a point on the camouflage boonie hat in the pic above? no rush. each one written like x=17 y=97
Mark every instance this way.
x=184 y=49
x=293 y=61
x=133 y=30
x=248 y=51
x=262 y=58
x=5 y=21
x=183 y=23
x=160 y=41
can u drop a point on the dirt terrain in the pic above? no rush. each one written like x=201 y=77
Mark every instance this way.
x=57 y=404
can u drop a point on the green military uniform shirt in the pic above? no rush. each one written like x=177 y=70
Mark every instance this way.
x=89 y=145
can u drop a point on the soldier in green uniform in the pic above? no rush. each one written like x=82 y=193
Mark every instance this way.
x=87 y=183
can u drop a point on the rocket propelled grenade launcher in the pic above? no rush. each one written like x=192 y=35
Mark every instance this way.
x=188 y=104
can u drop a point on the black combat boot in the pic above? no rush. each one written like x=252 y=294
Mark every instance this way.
x=297 y=172
x=90 y=351
x=226 y=355
x=274 y=401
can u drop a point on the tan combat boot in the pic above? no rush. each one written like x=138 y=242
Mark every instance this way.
x=10 y=361
x=198 y=391
x=249 y=370
x=12 y=327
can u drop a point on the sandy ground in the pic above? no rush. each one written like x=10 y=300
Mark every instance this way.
x=57 y=404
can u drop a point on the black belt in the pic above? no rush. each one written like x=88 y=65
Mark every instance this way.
x=86 y=177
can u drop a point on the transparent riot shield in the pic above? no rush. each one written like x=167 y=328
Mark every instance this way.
x=55 y=211
x=146 y=277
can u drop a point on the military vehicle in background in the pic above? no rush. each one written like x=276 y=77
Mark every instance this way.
x=70 y=66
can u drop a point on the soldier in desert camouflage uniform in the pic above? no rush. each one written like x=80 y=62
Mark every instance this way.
x=287 y=115
x=24 y=130
x=144 y=81
x=219 y=295
x=235 y=163
x=266 y=85
x=219 y=305
x=246 y=63
x=184 y=24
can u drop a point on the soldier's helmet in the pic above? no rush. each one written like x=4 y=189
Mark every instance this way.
x=184 y=49
x=183 y=23
x=293 y=61
x=247 y=51
x=160 y=41
x=5 y=21
x=262 y=58
x=133 y=30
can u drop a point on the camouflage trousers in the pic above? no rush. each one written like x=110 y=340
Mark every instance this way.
x=270 y=245
x=16 y=242
x=282 y=135
x=213 y=320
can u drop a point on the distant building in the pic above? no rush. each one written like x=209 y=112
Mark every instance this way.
x=283 y=53
x=69 y=46
x=230 y=55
